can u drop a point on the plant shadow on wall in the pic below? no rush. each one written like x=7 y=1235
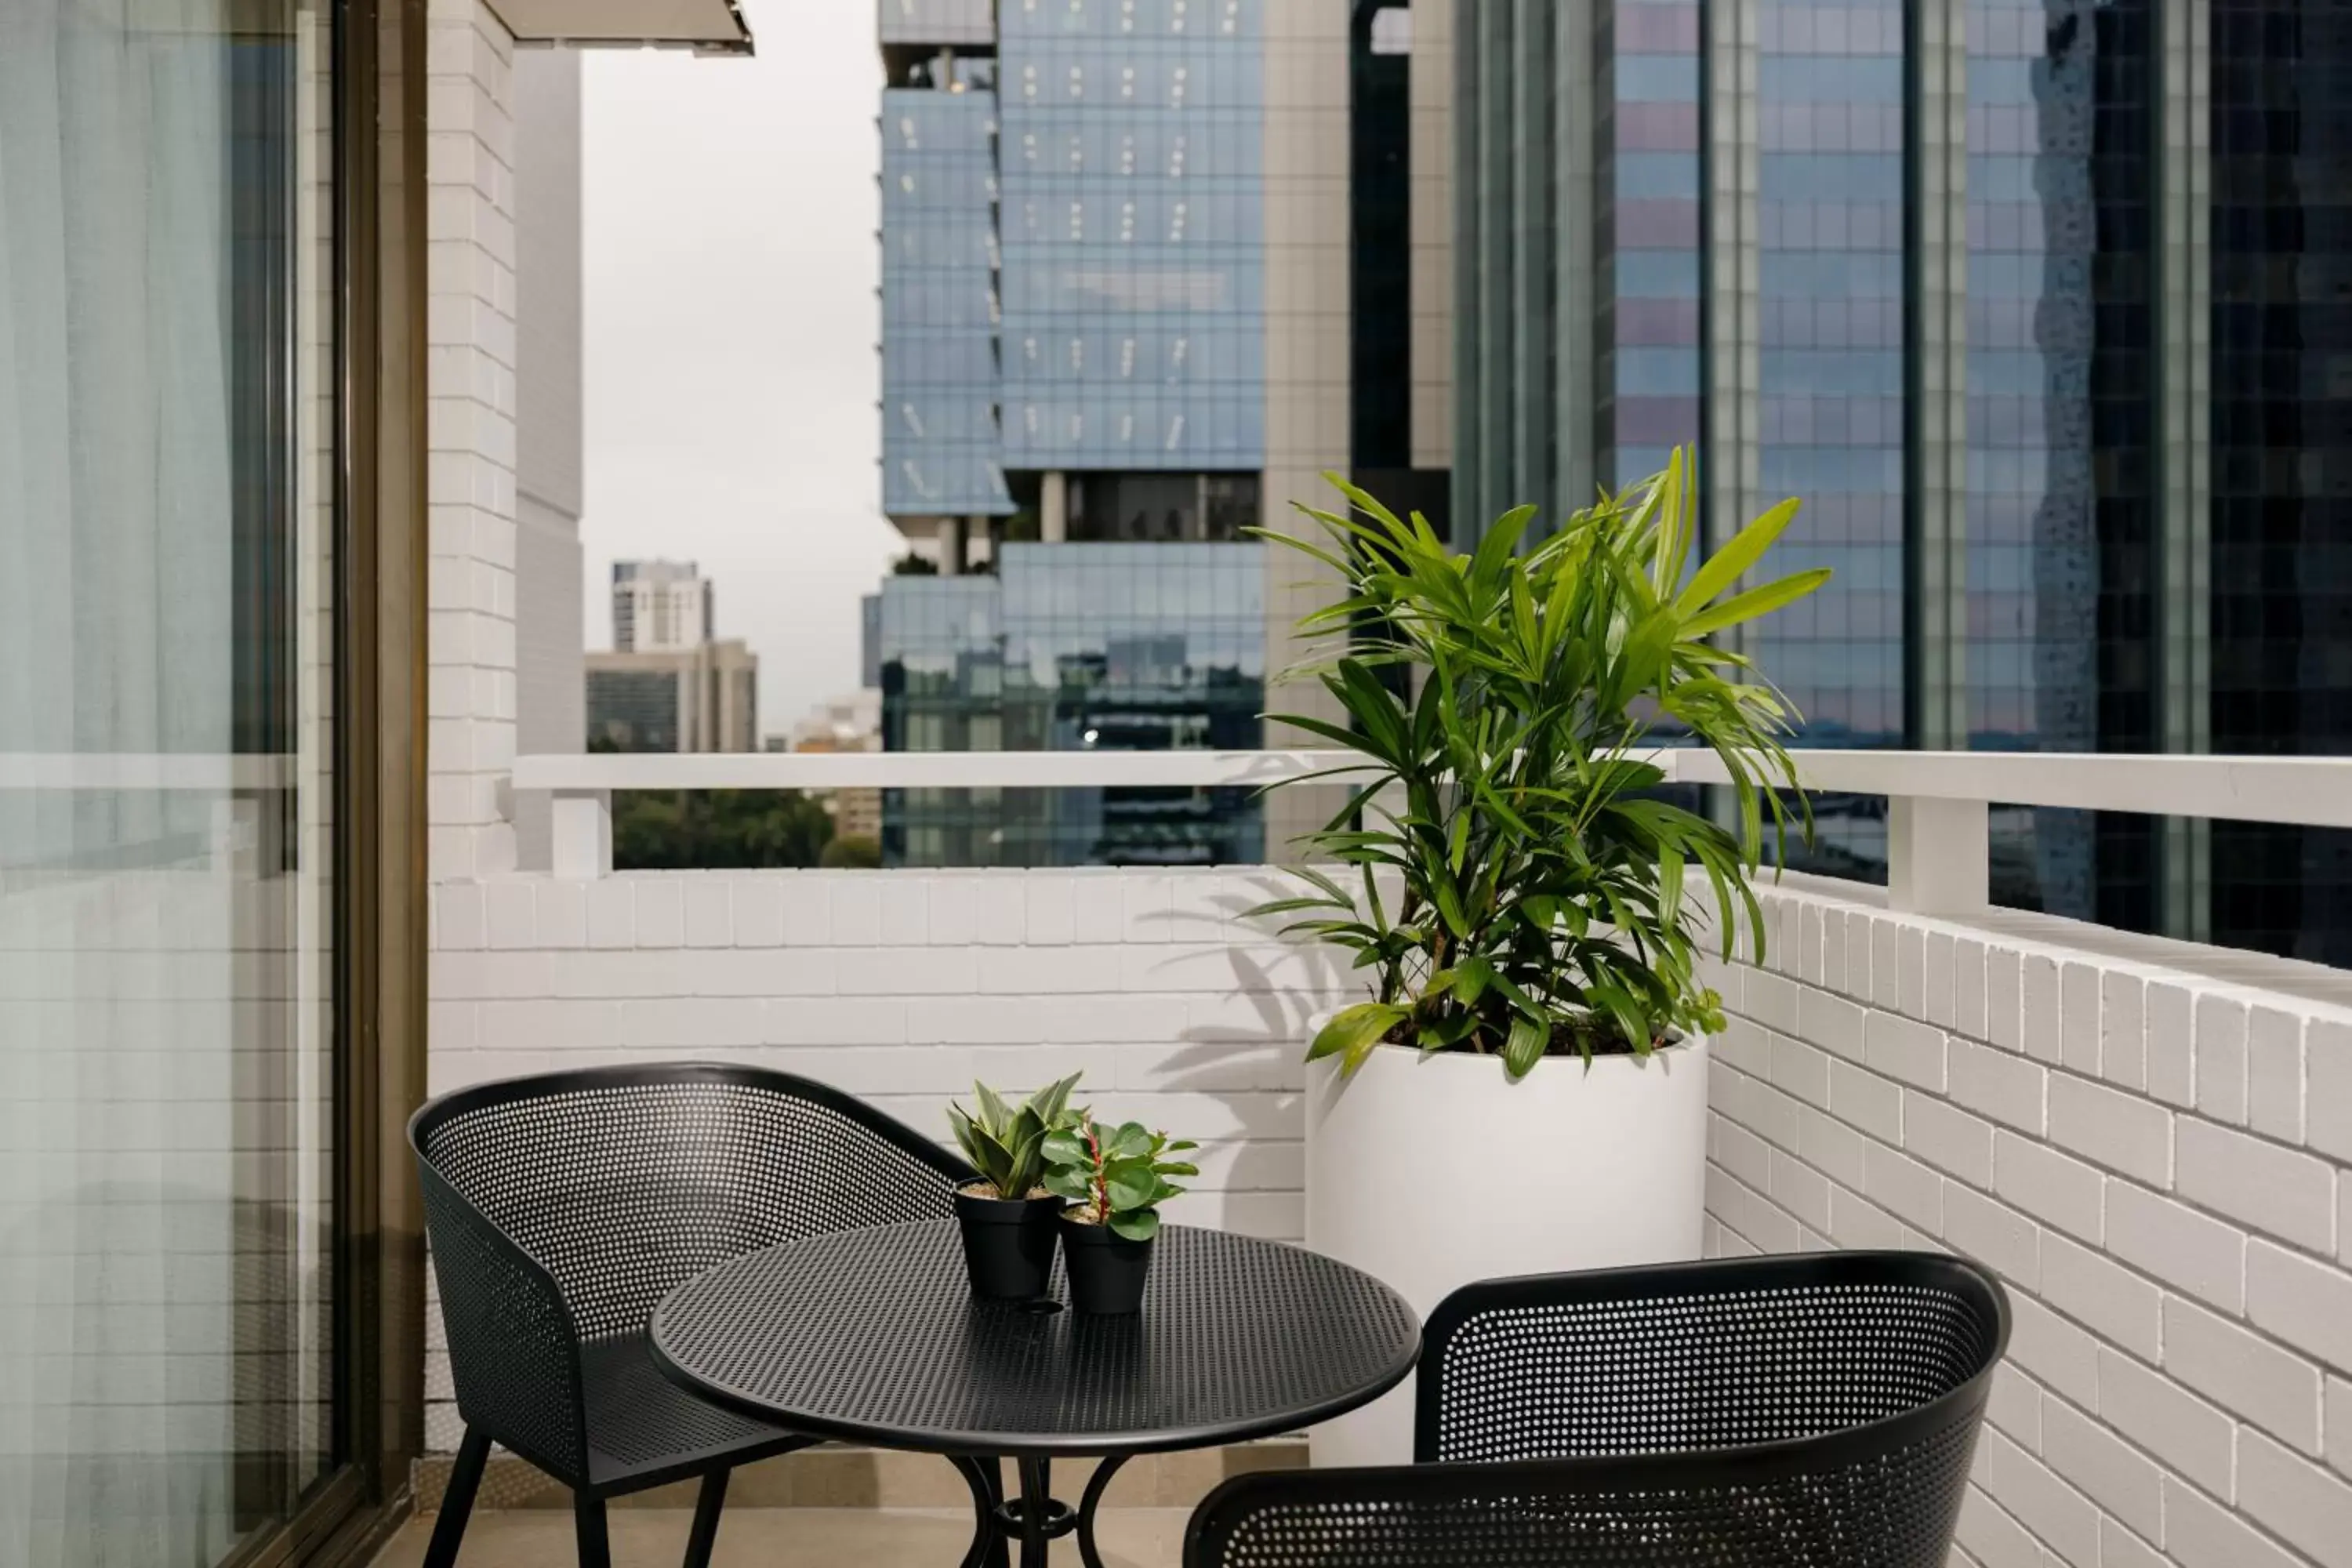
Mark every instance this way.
x=1241 y=1045
x=1521 y=885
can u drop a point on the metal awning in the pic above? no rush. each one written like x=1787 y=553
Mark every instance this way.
x=712 y=24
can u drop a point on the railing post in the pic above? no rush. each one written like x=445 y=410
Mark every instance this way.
x=581 y=830
x=1937 y=855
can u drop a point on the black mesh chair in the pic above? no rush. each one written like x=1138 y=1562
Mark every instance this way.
x=1761 y=1412
x=562 y=1209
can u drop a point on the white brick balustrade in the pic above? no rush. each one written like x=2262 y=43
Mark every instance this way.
x=2152 y=1150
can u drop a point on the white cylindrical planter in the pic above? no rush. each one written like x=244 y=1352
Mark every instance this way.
x=1431 y=1172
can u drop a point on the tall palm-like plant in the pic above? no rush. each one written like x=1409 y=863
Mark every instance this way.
x=1521 y=883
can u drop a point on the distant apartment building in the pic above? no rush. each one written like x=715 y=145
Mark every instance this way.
x=661 y=606
x=701 y=699
x=1147 y=275
x=852 y=722
x=669 y=684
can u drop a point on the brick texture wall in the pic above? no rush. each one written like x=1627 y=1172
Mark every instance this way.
x=903 y=986
x=2155 y=1162
x=470 y=316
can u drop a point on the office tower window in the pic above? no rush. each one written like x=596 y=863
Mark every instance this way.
x=1647 y=180
x=2061 y=502
x=2060 y=295
x=1379 y=129
x=1077 y=647
x=2281 y=452
x=1165 y=507
x=1830 y=228
x=1829 y=264
x=940 y=307
x=1134 y=309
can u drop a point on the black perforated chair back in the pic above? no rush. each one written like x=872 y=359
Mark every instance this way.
x=1819 y=1410
x=1669 y=1360
x=627 y=1183
x=562 y=1209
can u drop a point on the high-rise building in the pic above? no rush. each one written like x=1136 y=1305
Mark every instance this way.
x=670 y=684
x=705 y=697
x=848 y=724
x=1124 y=321
x=1077 y=647
x=661 y=606
x=2031 y=301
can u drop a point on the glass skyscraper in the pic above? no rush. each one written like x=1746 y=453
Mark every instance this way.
x=1080 y=647
x=1074 y=278
x=2044 y=345
x=1088 y=396
x=1074 y=405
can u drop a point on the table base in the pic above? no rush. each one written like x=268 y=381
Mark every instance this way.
x=1034 y=1518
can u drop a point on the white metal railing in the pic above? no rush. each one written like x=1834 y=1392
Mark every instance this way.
x=1938 y=835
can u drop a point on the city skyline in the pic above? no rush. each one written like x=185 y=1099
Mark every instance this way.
x=730 y=374
x=2010 y=549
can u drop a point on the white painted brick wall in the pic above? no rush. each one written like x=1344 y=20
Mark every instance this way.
x=470 y=324
x=902 y=987
x=2154 y=1161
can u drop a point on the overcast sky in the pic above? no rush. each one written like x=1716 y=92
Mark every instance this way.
x=730 y=372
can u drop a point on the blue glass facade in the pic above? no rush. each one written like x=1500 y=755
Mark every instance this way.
x=941 y=439
x=1830 y=379
x=1829 y=93
x=1074 y=325
x=935 y=22
x=1125 y=646
x=1134 y=273
x=1647 y=176
x=1965 y=356
x=2060 y=504
x=2281 y=553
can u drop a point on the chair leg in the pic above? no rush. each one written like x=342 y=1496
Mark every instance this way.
x=588 y=1519
x=457 y=1503
x=705 y=1533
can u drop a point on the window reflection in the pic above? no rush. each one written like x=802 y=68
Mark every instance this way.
x=167 y=823
x=1077 y=647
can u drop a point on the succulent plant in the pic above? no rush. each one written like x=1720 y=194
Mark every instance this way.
x=1007 y=1145
x=1115 y=1174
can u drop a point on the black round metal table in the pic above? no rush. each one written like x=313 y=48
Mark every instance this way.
x=874 y=1335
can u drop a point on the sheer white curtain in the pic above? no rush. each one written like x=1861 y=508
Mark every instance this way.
x=137 y=986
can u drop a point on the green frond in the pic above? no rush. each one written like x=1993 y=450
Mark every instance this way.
x=1520 y=881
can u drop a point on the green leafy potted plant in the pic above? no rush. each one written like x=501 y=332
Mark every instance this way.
x=1512 y=886
x=1116 y=1179
x=1007 y=1217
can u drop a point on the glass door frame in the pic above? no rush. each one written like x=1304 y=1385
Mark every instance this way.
x=380 y=478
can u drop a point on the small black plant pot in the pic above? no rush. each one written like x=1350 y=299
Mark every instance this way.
x=1106 y=1270
x=1008 y=1243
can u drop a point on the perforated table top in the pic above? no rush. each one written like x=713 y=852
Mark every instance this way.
x=875 y=1335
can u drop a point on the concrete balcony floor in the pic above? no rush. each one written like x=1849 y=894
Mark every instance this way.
x=781 y=1538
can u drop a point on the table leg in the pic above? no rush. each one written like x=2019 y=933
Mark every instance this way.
x=1036 y=1507
x=1000 y=1555
x=987 y=1549
x=1104 y=1470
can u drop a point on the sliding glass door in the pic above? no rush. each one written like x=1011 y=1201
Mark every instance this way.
x=169 y=1032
